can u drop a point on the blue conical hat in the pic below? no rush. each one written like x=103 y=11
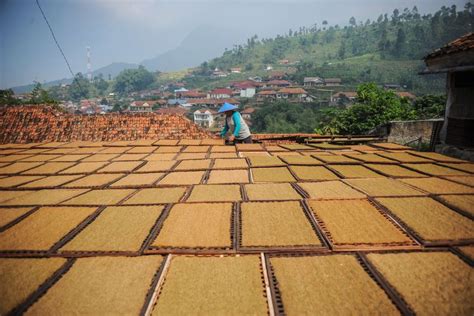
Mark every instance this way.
x=227 y=107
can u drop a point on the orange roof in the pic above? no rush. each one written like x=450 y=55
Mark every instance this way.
x=292 y=91
x=39 y=123
x=213 y=101
x=405 y=94
x=266 y=92
x=172 y=110
x=221 y=91
x=349 y=94
x=248 y=111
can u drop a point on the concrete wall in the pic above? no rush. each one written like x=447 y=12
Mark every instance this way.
x=402 y=132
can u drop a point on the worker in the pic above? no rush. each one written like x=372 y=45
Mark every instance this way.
x=235 y=124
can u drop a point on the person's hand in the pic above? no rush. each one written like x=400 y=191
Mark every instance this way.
x=231 y=138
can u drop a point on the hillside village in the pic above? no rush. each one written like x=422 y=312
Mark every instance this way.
x=201 y=106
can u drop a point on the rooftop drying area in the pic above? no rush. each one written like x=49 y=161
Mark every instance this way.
x=193 y=226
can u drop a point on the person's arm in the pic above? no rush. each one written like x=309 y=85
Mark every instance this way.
x=236 y=118
x=225 y=129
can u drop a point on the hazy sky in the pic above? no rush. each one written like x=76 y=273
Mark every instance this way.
x=131 y=31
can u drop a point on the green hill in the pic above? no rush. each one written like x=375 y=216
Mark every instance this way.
x=386 y=50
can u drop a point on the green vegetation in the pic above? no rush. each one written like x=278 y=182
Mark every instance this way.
x=37 y=96
x=387 y=50
x=131 y=80
x=284 y=117
x=374 y=107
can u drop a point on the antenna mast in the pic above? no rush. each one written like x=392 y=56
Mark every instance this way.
x=89 y=66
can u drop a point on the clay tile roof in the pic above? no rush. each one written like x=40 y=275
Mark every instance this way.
x=266 y=92
x=248 y=111
x=292 y=91
x=244 y=84
x=406 y=94
x=464 y=43
x=42 y=123
x=172 y=110
x=222 y=91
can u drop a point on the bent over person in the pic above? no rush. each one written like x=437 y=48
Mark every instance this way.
x=235 y=124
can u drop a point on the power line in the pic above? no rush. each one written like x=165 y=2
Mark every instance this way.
x=55 y=40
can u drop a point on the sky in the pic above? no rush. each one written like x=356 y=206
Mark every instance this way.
x=134 y=30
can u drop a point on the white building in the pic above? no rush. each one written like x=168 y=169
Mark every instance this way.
x=248 y=92
x=204 y=117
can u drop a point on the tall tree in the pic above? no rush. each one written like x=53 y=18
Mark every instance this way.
x=352 y=21
x=79 y=88
x=400 y=43
x=130 y=80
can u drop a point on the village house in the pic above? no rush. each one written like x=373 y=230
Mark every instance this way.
x=218 y=74
x=179 y=91
x=236 y=70
x=248 y=92
x=343 y=97
x=256 y=79
x=176 y=110
x=211 y=103
x=277 y=83
x=332 y=82
x=266 y=95
x=141 y=106
x=192 y=94
x=277 y=75
x=182 y=102
x=89 y=106
x=313 y=82
x=246 y=89
x=220 y=93
x=292 y=94
x=204 y=117
x=247 y=113
x=456 y=59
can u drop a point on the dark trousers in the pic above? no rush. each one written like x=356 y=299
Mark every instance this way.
x=247 y=140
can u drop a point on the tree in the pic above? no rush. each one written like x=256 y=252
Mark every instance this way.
x=375 y=106
x=430 y=106
x=40 y=96
x=399 y=48
x=325 y=23
x=79 y=88
x=6 y=97
x=342 y=50
x=395 y=16
x=352 y=21
x=100 y=84
x=130 y=80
